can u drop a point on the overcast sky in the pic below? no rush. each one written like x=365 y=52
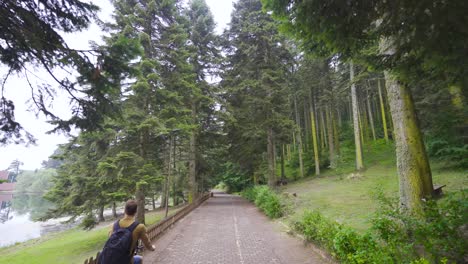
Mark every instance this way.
x=19 y=92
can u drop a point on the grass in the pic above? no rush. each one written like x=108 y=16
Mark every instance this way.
x=71 y=246
x=349 y=197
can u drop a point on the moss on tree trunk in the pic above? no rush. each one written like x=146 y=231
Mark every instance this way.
x=413 y=165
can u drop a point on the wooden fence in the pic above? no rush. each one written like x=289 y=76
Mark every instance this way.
x=156 y=230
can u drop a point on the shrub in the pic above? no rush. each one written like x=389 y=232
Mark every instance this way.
x=250 y=194
x=351 y=247
x=342 y=242
x=438 y=234
x=317 y=228
x=265 y=199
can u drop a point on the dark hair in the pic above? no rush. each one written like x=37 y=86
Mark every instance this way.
x=131 y=207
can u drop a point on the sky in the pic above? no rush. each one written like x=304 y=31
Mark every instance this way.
x=17 y=90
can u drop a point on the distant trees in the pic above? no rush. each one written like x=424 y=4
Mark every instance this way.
x=256 y=90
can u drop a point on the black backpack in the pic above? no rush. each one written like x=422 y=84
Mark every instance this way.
x=117 y=248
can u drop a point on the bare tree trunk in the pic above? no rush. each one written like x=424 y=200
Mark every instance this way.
x=271 y=158
x=365 y=121
x=168 y=177
x=193 y=159
x=357 y=129
x=371 y=118
x=335 y=134
x=314 y=141
x=331 y=143
x=282 y=162
x=306 y=124
x=140 y=193
x=324 y=133
x=413 y=165
x=101 y=214
x=299 y=139
x=412 y=162
x=114 y=210
x=317 y=127
x=382 y=109
x=140 y=197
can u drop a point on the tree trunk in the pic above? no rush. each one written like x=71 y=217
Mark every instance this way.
x=371 y=117
x=324 y=133
x=193 y=159
x=271 y=158
x=306 y=125
x=140 y=197
x=101 y=214
x=168 y=177
x=317 y=127
x=382 y=109
x=314 y=141
x=357 y=130
x=163 y=194
x=412 y=162
x=299 y=139
x=331 y=143
x=313 y=131
x=282 y=163
x=335 y=134
x=114 y=210
x=174 y=178
x=365 y=121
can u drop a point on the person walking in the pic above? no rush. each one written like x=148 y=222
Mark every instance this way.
x=123 y=238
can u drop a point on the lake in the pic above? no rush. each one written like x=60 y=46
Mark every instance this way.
x=18 y=213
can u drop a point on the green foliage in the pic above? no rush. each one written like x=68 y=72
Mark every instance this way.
x=317 y=228
x=221 y=186
x=447 y=151
x=439 y=232
x=343 y=242
x=234 y=178
x=265 y=199
x=89 y=222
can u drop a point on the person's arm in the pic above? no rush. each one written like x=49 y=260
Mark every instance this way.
x=145 y=239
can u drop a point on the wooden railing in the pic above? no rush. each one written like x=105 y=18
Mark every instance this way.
x=156 y=230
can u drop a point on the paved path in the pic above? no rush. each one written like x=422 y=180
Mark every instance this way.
x=226 y=229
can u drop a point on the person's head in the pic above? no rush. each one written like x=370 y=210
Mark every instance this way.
x=131 y=207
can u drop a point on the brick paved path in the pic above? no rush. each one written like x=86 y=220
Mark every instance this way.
x=225 y=230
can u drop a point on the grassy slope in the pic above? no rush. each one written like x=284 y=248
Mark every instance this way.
x=349 y=198
x=72 y=246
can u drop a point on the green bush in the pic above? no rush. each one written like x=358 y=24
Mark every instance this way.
x=265 y=199
x=351 y=247
x=317 y=228
x=439 y=234
x=250 y=194
x=234 y=178
x=342 y=242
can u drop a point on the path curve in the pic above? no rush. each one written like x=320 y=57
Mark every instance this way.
x=227 y=229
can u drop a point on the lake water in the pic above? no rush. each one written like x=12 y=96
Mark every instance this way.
x=17 y=215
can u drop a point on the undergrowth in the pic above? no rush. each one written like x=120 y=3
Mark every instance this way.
x=438 y=236
x=265 y=199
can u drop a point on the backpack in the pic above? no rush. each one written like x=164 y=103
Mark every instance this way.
x=117 y=248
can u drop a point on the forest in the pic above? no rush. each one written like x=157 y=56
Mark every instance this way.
x=167 y=109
